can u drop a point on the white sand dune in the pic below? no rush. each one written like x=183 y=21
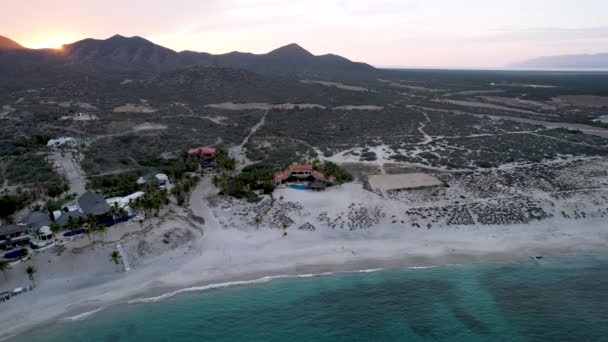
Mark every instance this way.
x=202 y=254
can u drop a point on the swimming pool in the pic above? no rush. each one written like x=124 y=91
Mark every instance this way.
x=298 y=186
x=15 y=254
x=73 y=233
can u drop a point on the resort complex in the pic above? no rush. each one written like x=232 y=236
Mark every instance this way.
x=134 y=173
x=303 y=175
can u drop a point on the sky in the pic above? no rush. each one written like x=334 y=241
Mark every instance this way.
x=384 y=33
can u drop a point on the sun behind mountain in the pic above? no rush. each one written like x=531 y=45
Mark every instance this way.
x=48 y=43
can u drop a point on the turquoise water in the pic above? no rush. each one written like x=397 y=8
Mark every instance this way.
x=555 y=300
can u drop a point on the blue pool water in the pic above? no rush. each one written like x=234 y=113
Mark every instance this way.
x=14 y=254
x=73 y=233
x=298 y=186
x=554 y=300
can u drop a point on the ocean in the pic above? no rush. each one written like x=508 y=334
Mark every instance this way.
x=564 y=299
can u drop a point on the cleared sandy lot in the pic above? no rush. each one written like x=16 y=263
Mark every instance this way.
x=387 y=183
x=133 y=108
x=364 y=107
x=262 y=106
x=582 y=100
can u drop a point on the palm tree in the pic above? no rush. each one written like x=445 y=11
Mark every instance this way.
x=81 y=221
x=72 y=223
x=91 y=219
x=88 y=230
x=115 y=257
x=5 y=266
x=122 y=213
x=55 y=228
x=102 y=229
x=114 y=211
x=91 y=225
x=30 y=271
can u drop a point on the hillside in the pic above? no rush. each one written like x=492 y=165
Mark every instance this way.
x=119 y=54
x=9 y=44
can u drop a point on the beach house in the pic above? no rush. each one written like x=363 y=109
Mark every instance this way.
x=302 y=173
x=14 y=235
x=60 y=142
x=125 y=202
x=37 y=220
x=93 y=203
x=206 y=155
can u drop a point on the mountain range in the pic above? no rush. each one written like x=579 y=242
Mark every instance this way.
x=9 y=44
x=119 y=54
x=588 y=61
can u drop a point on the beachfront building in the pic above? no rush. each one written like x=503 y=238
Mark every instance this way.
x=43 y=238
x=206 y=155
x=125 y=202
x=13 y=236
x=303 y=173
x=93 y=203
x=62 y=218
x=300 y=171
x=37 y=220
x=39 y=223
x=25 y=231
x=281 y=178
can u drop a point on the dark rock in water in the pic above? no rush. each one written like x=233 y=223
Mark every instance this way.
x=307 y=226
x=538 y=257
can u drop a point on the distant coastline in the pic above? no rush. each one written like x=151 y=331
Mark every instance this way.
x=522 y=69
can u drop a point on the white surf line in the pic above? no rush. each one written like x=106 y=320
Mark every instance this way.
x=82 y=316
x=123 y=256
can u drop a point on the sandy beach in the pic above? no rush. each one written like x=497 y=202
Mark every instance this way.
x=228 y=248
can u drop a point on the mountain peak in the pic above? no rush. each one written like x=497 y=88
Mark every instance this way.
x=9 y=44
x=121 y=38
x=292 y=50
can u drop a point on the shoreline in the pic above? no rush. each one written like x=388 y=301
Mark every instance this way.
x=215 y=256
x=159 y=294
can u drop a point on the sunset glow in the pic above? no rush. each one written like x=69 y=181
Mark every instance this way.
x=429 y=33
x=47 y=43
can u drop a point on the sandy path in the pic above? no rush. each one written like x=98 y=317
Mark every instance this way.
x=216 y=120
x=238 y=152
x=72 y=171
x=427 y=138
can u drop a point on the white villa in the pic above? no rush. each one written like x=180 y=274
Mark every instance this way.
x=124 y=202
x=59 y=142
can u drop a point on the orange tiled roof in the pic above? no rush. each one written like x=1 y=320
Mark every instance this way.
x=300 y=168
x=319 y=176
x=201 y=150
x=279 y=177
